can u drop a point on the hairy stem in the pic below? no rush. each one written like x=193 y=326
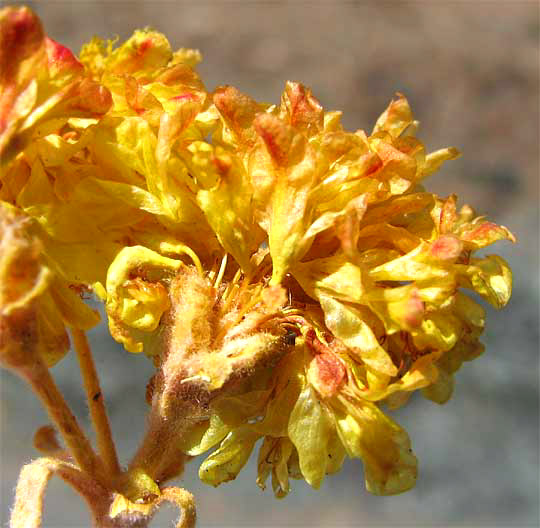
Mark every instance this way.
x=158 y=453
x=41 y=381
x=96 y=404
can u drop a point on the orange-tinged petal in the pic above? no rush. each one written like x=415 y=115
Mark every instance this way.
x=62 y=64
x=22 y=58
x=347 y=324
x=484 y=234
x=301 y=109
x=284 y=144
x=396 y=118
x=238 y=112
x=398 y=169
x=140 y=55
x=295 y=174
x=446 y=247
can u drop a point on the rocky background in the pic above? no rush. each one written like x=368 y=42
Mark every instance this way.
x=471 y=73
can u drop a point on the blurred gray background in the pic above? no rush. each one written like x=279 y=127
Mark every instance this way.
x=471 y=73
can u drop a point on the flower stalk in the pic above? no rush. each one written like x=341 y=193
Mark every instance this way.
x=40 y=380
x=96 y=404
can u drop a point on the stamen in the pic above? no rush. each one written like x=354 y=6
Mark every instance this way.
x=195 y=260
x=213 y=272
x=221 y=271
x=227 y=293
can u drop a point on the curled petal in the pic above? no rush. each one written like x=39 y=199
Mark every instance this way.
x=399 y=168
x=483 y=234
x=491 y=277
x=469 y=311
x=347 y=324
x=434 y=160
x=137 y=302
x=227 y=412
x=23 y=275
x=274 y=456
x=366 y=433
x=204 y=436
x=225 y=463
x=437 y=331
x=446 y=216
x=397 y=206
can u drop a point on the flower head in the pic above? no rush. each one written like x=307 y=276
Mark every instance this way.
x=285 y=275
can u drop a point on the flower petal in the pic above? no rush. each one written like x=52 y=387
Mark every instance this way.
x=225 y=463
x=366 y=433
x=347 y=324
x=309 y=429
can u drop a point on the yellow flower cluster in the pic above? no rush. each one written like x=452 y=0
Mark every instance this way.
x=286 y=276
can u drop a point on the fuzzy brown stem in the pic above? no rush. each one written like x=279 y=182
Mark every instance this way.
x=96 y=404
x=99 y=501
x=41 y=381
x=159 y=455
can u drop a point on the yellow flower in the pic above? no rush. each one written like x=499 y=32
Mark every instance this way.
x=36 y=304
x=42 y=84
x=286 y=276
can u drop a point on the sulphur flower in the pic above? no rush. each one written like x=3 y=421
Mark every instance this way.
x=368 y=267
x=285 y=276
